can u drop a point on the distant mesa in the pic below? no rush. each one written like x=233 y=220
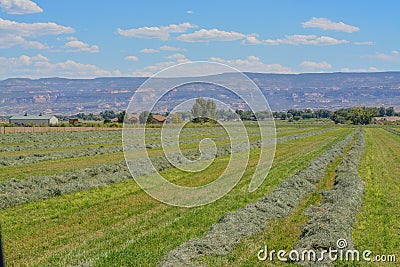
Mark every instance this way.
x=283 y=92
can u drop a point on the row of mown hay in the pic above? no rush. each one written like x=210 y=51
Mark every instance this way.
x=333 y=218
x=34 y=188
x=223 y=236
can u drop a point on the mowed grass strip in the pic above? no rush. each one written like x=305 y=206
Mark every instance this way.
x=298 y=131
x=56 y=166
x=50 y=167
x=57 y=149
x=116 y=226
x=117 y=142
x=378 y=224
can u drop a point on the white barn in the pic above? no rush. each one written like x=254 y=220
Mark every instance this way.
x=34 y=120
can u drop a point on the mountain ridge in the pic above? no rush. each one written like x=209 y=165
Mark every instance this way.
x=334 y=90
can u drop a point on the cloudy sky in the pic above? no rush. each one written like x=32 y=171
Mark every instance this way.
x=96 y=38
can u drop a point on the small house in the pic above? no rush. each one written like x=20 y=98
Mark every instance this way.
x=158 y=119
x=132 y=118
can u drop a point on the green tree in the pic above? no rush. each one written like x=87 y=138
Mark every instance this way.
x=211 y=109
x=145 y=117
x=187 y=116
x=390 y=111
x=263 y=115
x=340 y=116
x=121 y=116
x=289 y=117
x=204 y=110
x=322 y=113
x=246 y=115
x=382 y=111
x=226 y=115
x=176 y=118
x=108 y=113
x=355 y=115
x=107 y=120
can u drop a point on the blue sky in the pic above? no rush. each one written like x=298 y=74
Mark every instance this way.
x=84 y=39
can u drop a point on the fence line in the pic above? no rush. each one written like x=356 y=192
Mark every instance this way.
x=7 y=130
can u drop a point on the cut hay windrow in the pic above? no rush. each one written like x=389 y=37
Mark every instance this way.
x=391 y=130
x=22 y=141
x=34 y=188
x=76 y=153
x=14 y=192
x=302 y=135
x=223 y=236
x=333 y=218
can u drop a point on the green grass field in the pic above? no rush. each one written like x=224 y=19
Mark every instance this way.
x=118 y=224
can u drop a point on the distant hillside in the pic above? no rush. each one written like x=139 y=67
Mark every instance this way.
x=283 y=91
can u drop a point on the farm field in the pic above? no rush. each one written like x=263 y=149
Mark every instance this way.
x=67 y=198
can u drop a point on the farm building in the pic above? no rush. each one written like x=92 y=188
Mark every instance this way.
x=34 y=120
x=158 y=118
x=73 y=121
x=385 y=119
x=132 y=118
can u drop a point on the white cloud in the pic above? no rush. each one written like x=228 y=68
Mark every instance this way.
x=14 y=33
x=370 y=69
x=392 y=56
x=142 y=73
x=364 y=43
x=40 y=66
x=179 y=58
x=159 y=66
x=162 y=48
x=315 y=65
x=253 y=40
x=20 y=7
x=10 y=40
x=162 y=32
x=305 y=40
x=132 y=58
x=79 y=46
x=253 y=64
x=326 y=24
x=169 y=48
x=204 y=35
x=176 y=56
x=149 y=51
x=33 y=29
x=189 y=12
x=35 y=45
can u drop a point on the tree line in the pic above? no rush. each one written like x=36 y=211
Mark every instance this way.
x=205 y=110
x=353 y=115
